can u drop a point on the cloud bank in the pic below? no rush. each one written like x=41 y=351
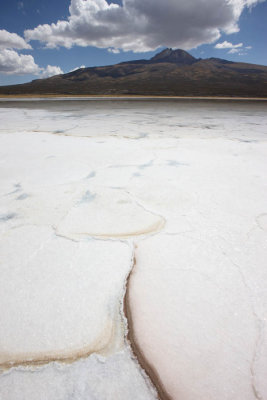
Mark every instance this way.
x=75 y=69
x=142 y=25
x=13 y=63
x=233 y=48
x=51 y=70
x=228 y=45
x=12 y=41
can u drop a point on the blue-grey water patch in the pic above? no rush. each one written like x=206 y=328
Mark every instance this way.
x=91 y=175
x=23 y=196
x=88 y=197
x=17 y=189
x=142 y=135
x=174 y=163
x=6 y=217
x=147 y=165
x=247 y=140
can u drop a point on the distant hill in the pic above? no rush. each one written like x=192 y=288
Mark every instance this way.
x=169 y=73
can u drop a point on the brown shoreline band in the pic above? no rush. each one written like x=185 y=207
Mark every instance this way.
x=137 y=351
x=128 y=97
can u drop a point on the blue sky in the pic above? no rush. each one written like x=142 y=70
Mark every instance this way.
x=93 y=33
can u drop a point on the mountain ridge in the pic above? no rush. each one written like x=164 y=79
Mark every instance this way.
x=169 y=73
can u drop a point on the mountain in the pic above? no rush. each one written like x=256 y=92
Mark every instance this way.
x=169 y=73
x=174 y=56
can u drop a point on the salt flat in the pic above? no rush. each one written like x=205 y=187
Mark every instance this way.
x=166 y=200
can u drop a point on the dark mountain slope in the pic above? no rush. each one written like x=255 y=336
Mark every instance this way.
x=174 y=56
x=169 y=73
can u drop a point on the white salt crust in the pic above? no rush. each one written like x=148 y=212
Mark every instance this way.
x=82 y=184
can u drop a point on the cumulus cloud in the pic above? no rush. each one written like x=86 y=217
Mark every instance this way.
x=75 y=69
x=19 y=64
x=51 y=70
x=233 y=48
x=142 y=25
x=228 y=45
x=233 y=51
x=13 y=63
x=10 y=40
x=114 y=51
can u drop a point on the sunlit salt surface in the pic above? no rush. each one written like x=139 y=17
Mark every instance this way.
x=172 y=190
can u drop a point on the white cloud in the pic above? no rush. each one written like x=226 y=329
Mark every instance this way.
x=114 y=51
x=51 y=70
x=12 y=63
x=75 y=69
x=233 y=48
x=234 y=51
x=10 y=40
x=228 y=45
x=142 y=25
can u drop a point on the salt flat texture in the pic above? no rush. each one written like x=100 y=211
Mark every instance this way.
x=174 y=191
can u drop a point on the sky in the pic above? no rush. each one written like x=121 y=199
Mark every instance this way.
x=41 y=38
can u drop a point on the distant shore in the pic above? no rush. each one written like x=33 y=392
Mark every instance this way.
x=128 y=97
